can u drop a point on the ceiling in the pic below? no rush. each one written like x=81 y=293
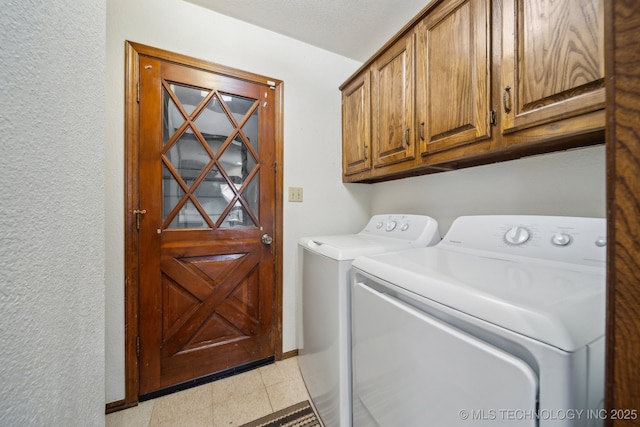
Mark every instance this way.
x=352 y=28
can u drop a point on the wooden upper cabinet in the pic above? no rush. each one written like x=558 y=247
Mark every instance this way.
x=471 y=82
x=392 y=87
x=356 y=125
x=453 y=75
x=552 y=62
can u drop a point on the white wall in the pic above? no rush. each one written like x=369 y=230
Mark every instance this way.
x=570 y=183
x=52 y=133
x=312 y=135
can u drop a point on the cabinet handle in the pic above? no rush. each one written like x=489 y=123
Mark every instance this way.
x=366 y=148
x=422 y=131
x=507 y=105
x=406 y=137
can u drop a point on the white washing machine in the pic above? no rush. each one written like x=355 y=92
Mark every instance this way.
x=324 y=353
x=501 y=323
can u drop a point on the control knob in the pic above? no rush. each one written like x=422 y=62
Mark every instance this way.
x=560 y=239
x=517 y=235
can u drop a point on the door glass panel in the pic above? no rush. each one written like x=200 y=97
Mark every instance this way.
x=189 y=97
x=247 y=160
x=209 y=194
x=204 y=154
x=172 y=119
x=251 y=194
x=172 y=192
x=188 y=156
x=250 y=129
x=188 y=217
x=236 y=217
x=235 y=161
x=239 y=106
x=213 y=121
x=238 y=162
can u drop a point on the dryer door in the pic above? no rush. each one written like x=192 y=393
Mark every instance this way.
x=410 y=369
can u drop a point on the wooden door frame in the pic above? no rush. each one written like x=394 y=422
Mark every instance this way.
x=622 y=376
x=132 y=53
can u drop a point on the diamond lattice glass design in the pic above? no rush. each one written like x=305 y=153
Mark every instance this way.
x=210 y=159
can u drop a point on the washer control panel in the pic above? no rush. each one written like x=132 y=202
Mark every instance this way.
x=565 y=239
x=421 y=230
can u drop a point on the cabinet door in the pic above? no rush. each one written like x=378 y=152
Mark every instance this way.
x=453 y=75
x=356 y=126
x=552 y=61
x=392 y=104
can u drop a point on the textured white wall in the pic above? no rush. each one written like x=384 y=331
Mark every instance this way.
x=312 y=137
x=570 y=183
x=52 y=63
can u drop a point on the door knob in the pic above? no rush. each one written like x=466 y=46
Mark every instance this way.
x=266 y=239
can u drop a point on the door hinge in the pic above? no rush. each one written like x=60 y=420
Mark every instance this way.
x=138 y=92
x=275 y=167
x=493 y=118
x=138 y=346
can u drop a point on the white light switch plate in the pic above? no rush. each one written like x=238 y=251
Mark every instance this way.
x=295 y=194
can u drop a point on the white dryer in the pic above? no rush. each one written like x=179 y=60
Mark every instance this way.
x=324 y=353
x=501 y=323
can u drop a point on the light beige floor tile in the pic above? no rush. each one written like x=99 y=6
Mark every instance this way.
x=242 y=409
x=285 y=370
x=236 y=386
x=290 y=366
x=188 y=408
x=287 y=393
x=291 y=370
x=271 y=374
x=138 y=416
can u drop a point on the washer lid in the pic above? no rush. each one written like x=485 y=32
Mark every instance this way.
x=562 y=307
x=349 y=246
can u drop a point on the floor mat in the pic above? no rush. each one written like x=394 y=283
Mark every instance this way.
x=299 y=415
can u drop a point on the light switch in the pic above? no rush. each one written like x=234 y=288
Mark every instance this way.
x=295 y=194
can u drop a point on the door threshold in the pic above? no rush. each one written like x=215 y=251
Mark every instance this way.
x=207 y=378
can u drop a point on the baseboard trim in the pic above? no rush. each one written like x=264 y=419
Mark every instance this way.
x=289 y=354
x=118 y=405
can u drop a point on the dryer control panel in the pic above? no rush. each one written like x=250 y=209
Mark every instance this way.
x=574 y=240
x=422 y=230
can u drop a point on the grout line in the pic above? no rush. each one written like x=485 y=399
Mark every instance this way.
x=267 y=392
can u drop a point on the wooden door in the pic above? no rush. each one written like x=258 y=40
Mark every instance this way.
x=552 y=62
x=453 y=77
x=356 y=125
x=206 y=185
x=392 y=86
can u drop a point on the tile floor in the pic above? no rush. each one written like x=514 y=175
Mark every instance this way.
x=228 y=402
